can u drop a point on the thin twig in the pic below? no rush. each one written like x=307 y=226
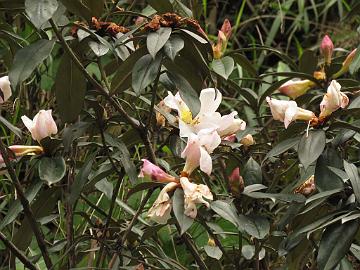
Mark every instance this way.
x=26 y=206
x=17 y=252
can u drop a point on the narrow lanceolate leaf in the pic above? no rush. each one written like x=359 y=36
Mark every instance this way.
x=145 y=71
x=354 y=176
x=311 y=147
x=10 y=126
x=52 y=169
x=173 y=46
x=178 y=206
x=39 y=11
x=335 y=243
x=28 y=58
x=282 y=147
x=156 y=40
x=16 y=206
x=70 y=87
x=252 y=172
x=223 y=66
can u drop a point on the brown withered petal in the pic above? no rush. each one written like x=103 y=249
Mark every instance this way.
x=110 y=28
x=307 y=187
x=154 y=24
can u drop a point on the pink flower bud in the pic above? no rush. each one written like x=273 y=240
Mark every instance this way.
x=296 y=87
x=42 y=126
x=327 y=48
x=226 y=28
x=150 y=170
x=236 y=182
x=5 y=89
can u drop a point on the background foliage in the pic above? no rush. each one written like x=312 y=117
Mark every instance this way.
x=84 y=193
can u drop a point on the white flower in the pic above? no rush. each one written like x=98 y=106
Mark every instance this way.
x=161 y=209
x=194 y=194
x=42 y=126
x=198 y=149
x=5 y=89
x=288 y=111
x=333 y=100
x=207 y=118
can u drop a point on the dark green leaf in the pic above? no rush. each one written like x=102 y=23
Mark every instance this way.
x=252 y=172
x=39 y=11
x=355 y=64
x=16 y=207
x=325 y=179
x=78 y=8
x=145 y=71
x=187 y=93
x=225 y=210
x=353 y=174
x=105 y=187
x=14 y=129
x=161 y=6
x=335 y=243
x=95 y=6
x=27 y=59
x=283 y=146
x=195 y=36
x=52 y=169
x=70 y=88
x=72 y=132
x=124 y=156
x=311 y=147
x=308 y=62
x=184 y=221
x=81 y=178
x=223 y=66
x=173 y=46
x=245 y=64
x=257 y=227
x=156 y=40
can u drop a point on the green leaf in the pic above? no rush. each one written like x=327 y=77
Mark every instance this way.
x=225 y=210
x=252 y=172
x=213 y=252
x=78 y=8
x=353 y=174
x=105 y=187
x=308 y=62
x=95 y=6
x=81 y=178
x=223 y=66
x=335 y=243
x=245 y=63
x=257 y=227
x=28 y=58
x=145 y=71
x=184 y=221
x=52 y=169
x=10 y=126
x=187 y=93
x=70 y=88
x=156 y=40
x=161 y=6
x=355 y=64
x=98 y=48
x=173 y=46
x=122 y=78
x=40 y=11
x=282 y=147
x=323 y=174
x=16 y=207
x=141 y=187
x=311 y=147
x=124 y=156
x=195 y=36
x=322 y=195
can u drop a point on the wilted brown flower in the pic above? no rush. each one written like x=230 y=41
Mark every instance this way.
x=307 y=187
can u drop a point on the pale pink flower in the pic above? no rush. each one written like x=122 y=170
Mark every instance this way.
x=198 y=149
x=154 y=172
x=295 y=88
x=23 y=150
x=5 y=89
x=333 y=100
x=161 y=209
x=42 y=126
x=327 y=48
x=288 y=111
x=194 y=194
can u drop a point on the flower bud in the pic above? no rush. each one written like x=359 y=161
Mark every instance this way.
x=222 y=39
x=226 y=29
x=327 y=48
x=153 y=172
x=346 y=64
x=5 y=89
x=23 y=150
x=42 y=126
x=247 y=140
x=211 y=242
x=296 y=87
x=319 y=75
x=236 y=182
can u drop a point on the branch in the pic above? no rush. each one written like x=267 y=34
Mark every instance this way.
x=26 y=205
x=18 y=253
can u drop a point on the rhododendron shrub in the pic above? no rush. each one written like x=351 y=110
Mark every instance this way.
x=140 y=135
